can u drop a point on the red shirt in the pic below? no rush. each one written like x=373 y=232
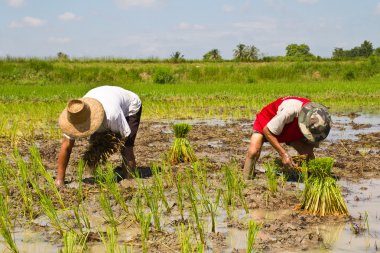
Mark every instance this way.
x=291 y=131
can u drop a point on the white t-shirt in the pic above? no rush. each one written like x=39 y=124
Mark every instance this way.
x=287 y=111
x=117 y=104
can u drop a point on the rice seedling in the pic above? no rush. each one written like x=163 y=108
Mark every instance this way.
x=158 y=185
x=283 y=178
x=180 y=202
x=200 y=176
x=168 y=174
x=72 y=243
x=81 y=218
x=137 y=208
x=107 y=180
x=104 y=200
x=270 y=173
x=22 y=183
x=235 y=185
x=322 y=195
x=184 y=236
x=194 y=208
x=144 y=226
x=50 y=211
x=212 y=207
x=5 y=175
x=109 y=240
x=37 y=166
x=152 y=201
x=6 y=226
x=181 y=150
x=253 y=231
x=366 y=221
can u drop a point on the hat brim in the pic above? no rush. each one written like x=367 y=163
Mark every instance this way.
x=304 y=116
x=87 y=127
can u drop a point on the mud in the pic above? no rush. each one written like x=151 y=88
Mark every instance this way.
x=284 y=229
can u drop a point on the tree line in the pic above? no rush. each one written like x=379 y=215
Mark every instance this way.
x=246 y=53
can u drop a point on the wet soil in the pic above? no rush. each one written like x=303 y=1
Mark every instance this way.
x=284 y=229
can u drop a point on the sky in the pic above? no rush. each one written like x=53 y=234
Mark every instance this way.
x=157 y=28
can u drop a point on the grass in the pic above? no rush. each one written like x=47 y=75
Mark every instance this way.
x=32 y=94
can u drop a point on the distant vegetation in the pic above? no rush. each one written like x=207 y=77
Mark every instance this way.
x=33 y=92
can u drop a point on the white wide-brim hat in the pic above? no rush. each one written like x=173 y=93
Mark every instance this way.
x=81 y=117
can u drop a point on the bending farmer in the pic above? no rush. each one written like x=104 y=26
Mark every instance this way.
x=110 y=115
x=296 y=121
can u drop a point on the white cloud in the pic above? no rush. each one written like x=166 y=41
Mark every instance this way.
x=16 y=3
x=135 y=3
x=228 y=8
x=59 y=40
x=69 y=16
x=261 y=25
x=27 y=21
x=186 y=26
x=35 y=22
x=377 y=10
x=308 y=1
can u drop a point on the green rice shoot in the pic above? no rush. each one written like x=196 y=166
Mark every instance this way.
x=322 y=195
x=181 y=151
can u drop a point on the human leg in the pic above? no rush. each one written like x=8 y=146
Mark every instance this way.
x=253 y=154
x=127 y=152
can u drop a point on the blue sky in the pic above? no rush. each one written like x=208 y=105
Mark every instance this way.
x=157 y=28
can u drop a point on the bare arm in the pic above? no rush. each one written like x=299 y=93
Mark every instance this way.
x=286 y=159
x=63 y=159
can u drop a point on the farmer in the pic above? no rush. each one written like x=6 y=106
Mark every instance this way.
x=296 y=121
x=106 y=114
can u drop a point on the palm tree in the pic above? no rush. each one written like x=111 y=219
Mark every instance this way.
x=212 y=55
x=177 y=57
x=239 y=52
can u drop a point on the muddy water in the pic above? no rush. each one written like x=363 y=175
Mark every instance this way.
x=362 y=198
x=218 y=140
x=345 y=127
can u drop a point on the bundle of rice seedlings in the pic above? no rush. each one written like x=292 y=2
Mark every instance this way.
x=322 y=195
x=181 y=151
x=101 y=147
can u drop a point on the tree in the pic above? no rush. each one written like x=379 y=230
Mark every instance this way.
x=239 y=52
x=177 y=57
x=246 y=53
x=364 y=50
x=212 y=55
x=377 y=51
x=295 y=50
x=62 y=56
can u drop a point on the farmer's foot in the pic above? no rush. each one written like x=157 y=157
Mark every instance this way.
x=122 y=173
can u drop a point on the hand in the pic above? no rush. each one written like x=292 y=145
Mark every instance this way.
x=287 y=161
x=59 y=182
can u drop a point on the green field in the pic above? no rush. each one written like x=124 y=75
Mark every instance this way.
x=33 y=92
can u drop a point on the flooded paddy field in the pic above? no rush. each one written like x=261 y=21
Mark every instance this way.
x=354 y=143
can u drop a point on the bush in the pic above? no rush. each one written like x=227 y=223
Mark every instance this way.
x=162 y=76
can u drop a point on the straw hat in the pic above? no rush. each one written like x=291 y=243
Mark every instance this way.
x=314 y=121
x=81 y=117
